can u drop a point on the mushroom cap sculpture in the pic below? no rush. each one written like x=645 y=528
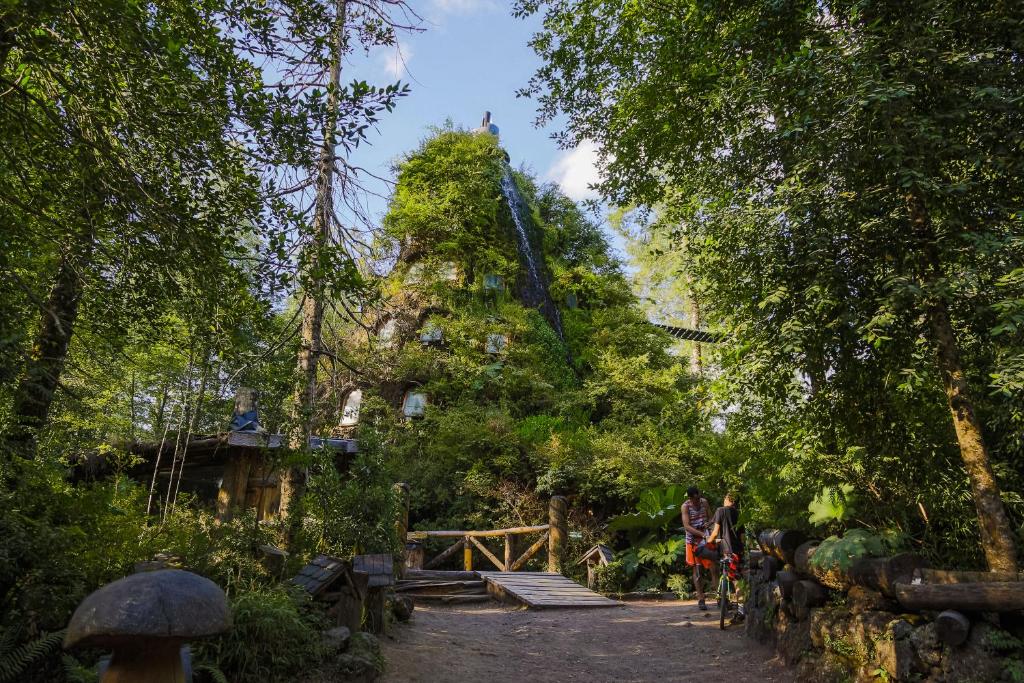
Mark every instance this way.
x=144 y=618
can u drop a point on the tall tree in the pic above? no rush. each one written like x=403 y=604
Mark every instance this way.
x=847 y=177
x=328 y=186
x=123 y=178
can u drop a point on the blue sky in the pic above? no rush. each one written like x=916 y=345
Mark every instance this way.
x=472 y=57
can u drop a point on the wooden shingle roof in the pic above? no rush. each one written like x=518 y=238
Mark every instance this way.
x=321 y=573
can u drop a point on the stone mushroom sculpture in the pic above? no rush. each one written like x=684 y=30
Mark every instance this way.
x=145 y=618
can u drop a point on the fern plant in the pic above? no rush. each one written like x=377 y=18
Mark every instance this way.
x=16 y=659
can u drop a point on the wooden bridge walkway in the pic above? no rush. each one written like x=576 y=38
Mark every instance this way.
x=542 y=589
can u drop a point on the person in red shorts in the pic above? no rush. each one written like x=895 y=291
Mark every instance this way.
x=696 y=513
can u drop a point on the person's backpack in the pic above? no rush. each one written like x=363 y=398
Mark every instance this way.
x=706 y=551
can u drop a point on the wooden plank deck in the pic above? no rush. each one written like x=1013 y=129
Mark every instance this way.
x=542 y=589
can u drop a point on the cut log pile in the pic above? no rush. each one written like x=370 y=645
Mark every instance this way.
x=800 y=605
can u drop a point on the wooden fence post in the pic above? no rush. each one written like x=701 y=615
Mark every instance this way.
x=558 y=533
x=509 y=551
x=467 y=554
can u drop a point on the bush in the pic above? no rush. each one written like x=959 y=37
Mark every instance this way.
x=274 y=635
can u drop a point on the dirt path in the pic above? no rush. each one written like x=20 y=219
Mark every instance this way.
x=658 y=642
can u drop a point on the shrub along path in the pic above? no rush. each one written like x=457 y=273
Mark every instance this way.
x=649 y=641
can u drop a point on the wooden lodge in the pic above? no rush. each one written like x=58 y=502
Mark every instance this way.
x=232 y=470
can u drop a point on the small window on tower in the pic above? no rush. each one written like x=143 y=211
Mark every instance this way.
x=387 y=331
x=431 y=335
x=494 y=283
x=350 y=409
x=495 y=344
x=414 y=404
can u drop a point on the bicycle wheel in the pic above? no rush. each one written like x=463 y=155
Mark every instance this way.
x=723 y=600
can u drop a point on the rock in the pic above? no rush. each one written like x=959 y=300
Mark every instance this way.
x=365 y=644
x=402 y=607
x=894 y=652
x=973 y=661
x=925 y=641
x=793 y=637
x=356 y=669
x=335 y=639
x=362 y=663
x=862 y=599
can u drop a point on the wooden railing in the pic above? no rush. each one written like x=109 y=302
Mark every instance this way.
x=554 y=533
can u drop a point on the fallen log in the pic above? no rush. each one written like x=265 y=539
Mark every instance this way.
x=943 y=576
x=770 y=566
x=786 y=581
x=883 y=573
x=780 y=543
x=1006 y=596
x=877 y=573
x=807 y=593
x=952 y=627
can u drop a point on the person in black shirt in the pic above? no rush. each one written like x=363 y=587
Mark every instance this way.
x=726 y=529
x=725 y=526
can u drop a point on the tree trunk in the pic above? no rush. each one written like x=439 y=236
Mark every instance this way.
x=34 y=395
x=697 y=357
x=997 y=536
x=293 y=481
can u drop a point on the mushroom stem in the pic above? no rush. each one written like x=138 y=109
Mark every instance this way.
x=148 y=660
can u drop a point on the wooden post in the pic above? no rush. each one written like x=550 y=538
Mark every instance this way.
x=558 y=534
x=415 y=555
x=467 y=554
x=245 y=401
x=234 y=485
x=402 y=523
x=509 y=551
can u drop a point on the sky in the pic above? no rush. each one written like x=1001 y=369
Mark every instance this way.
x=471 y=58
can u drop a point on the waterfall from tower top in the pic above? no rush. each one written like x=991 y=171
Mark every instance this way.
x=534 y=291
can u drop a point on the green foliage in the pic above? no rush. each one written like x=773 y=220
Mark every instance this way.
x=777 y=180
x=681 y=585
x=662 y=555
x=831 y=505
x=656 y=509
x=271 y=638
x=354 y=513
x=840 y=552
x=16 y=659
x=611 y=578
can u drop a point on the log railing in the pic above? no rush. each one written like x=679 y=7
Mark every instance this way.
x=554 y=534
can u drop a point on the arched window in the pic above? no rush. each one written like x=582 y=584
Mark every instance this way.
x=415 y=274
x=387 y=331
x=431 y=334
x=450 y=271
x=495 y=344
x=350 y=409
x=414 y=404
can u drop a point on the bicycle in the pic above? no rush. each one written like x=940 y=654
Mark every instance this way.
x=730 y=573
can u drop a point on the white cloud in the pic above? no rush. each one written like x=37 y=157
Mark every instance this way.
x=396 y=59
x=462 y=6
x=574 y=170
